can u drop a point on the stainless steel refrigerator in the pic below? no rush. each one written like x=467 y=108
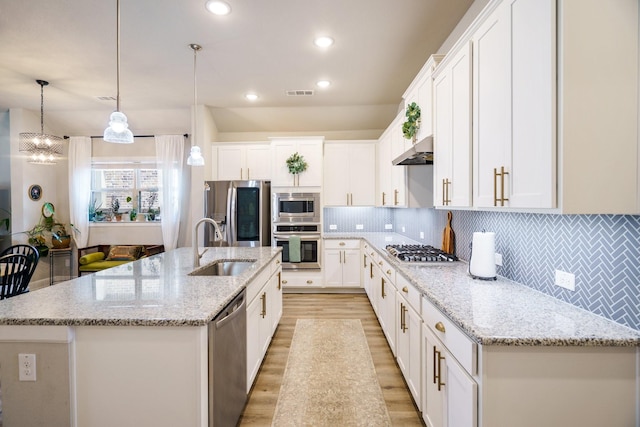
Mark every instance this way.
x=242 y=209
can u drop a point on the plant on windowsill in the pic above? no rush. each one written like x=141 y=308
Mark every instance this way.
x=115 y=209
x=296 y=164
x=412 y=124
x=133 y=213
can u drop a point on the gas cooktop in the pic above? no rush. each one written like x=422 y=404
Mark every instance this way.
x=419 y=253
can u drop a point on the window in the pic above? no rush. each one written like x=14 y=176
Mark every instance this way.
x=125 y=190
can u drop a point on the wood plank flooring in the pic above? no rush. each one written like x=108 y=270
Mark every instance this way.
x=264 y=394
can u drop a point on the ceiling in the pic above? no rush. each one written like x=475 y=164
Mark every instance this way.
x=262 y=46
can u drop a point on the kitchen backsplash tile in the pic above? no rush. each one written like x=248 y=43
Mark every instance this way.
x=602 y=251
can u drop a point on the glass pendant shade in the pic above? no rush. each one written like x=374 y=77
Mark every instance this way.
x=195 y=157
x=118 y=130
x=43 y=149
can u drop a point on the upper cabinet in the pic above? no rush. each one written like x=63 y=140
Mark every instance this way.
x=420 y=91
x=349 y=173
x=452 y=130
x=243 y=161
x=514 y=140
x=552 y=131
x=310 y=148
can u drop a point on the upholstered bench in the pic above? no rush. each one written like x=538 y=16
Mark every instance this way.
x=100 y=257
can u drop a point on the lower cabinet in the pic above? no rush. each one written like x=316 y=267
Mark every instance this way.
x=264 y=310
x=342 y=263
x=450 y=394
x=408 y=345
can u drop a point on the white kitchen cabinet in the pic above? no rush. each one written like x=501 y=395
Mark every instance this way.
x=385 y=291
x=342 y=263
x=243 y=161
x=451 y=394
x=264 y=310
x=408 y=355
x=349 y=173
x=310 y=148
x=302 y=279
x=514 y=100
x=368 y=260
x=452 y=130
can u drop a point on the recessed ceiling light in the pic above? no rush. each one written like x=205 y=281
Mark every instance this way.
x=323 y=83
x=218 y=7
x=251 y=96
x=323 y=41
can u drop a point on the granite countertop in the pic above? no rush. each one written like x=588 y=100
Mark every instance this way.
x=500 y=312
x=154 y=291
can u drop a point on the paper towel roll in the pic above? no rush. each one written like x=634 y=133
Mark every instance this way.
x=483 y=255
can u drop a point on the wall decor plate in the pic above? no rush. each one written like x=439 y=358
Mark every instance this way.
x=35 y=192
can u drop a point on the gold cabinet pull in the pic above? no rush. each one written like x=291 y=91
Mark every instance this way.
x=380 y=263
x=405 y=289
x=435 y=364
x=388 y=272
x=444 y=200
x=364 y=261
x=279 y=280
x=382 y=283
x=440 y=327
x=448 y=200
x=500 y=174
x=383 y=194
x=277 y=261
x=440 y=382
x=347 y=199
x=241 y=173
x=395 y=197
x=371 y=253
x=371 y=271
x=284 y=282
x=248 y=174
x=403 y=318
x=309 y=282
x=264 y=304
x=342 y=243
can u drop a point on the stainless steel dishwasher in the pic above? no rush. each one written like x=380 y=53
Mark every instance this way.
x=228 y=364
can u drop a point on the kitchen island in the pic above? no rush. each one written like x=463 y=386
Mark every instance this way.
x=126 y=346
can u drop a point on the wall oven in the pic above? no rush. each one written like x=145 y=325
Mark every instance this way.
x=309 y=249
x=296 y=208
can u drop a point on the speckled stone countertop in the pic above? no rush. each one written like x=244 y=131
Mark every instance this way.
x=155 y=291
x=500 y=312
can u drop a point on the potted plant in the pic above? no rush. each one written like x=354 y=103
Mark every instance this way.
x=412 y=124
x=115 y=209
x=35 y=237
x=133 y=213
x=94 y=208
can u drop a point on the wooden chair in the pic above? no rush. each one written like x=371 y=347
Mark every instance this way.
x=28 y=250
x=14 y=272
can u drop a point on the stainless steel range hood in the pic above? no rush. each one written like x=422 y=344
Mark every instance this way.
x=421 y=153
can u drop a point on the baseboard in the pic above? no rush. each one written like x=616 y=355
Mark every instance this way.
x=319 y=290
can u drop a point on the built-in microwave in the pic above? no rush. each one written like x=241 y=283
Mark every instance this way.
x=296 y=207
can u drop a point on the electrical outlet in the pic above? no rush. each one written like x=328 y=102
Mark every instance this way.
x=333 y=227
x=359 y=226
x=566 y=280
x=27 y=367
x=422 y=234
x=498 y=259
x=388 y=226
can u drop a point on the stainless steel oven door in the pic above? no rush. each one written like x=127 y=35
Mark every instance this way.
x=310 y=250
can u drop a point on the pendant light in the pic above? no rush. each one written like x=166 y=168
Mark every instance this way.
x=195 y=156
x=43 y=149
x=118 y=129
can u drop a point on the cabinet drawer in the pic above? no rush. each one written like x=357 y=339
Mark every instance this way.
x=301 y=279
x=342 y=244
x=386 y=269
x=457 y=342
x=409 y=293
x=258 y=283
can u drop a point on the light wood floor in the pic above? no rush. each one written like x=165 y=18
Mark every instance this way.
x=264 y=394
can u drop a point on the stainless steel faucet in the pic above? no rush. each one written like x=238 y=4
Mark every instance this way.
x=196 y=254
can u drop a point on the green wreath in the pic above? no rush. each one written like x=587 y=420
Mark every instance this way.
x=296 y=164
x=411 y=126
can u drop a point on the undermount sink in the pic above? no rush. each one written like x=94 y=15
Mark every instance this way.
x=224 y=268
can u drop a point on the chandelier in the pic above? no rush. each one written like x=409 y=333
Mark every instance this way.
x=43 y=149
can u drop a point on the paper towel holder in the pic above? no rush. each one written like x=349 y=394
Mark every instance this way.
x=483 y=266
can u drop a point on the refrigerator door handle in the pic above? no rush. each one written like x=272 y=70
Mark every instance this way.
x=232 y=200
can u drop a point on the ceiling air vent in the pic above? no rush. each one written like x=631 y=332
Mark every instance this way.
x=106 y=98
x=300 y=92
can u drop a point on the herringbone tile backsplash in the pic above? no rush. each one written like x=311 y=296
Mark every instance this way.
x=603 y=251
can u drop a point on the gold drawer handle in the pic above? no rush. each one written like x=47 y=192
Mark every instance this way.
x=309 y=282
x=341 y=243
x=380 y=263
x=405 y=289
x=277 y=261
x=389 y=272
x=284 y=282
x=440 y=327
